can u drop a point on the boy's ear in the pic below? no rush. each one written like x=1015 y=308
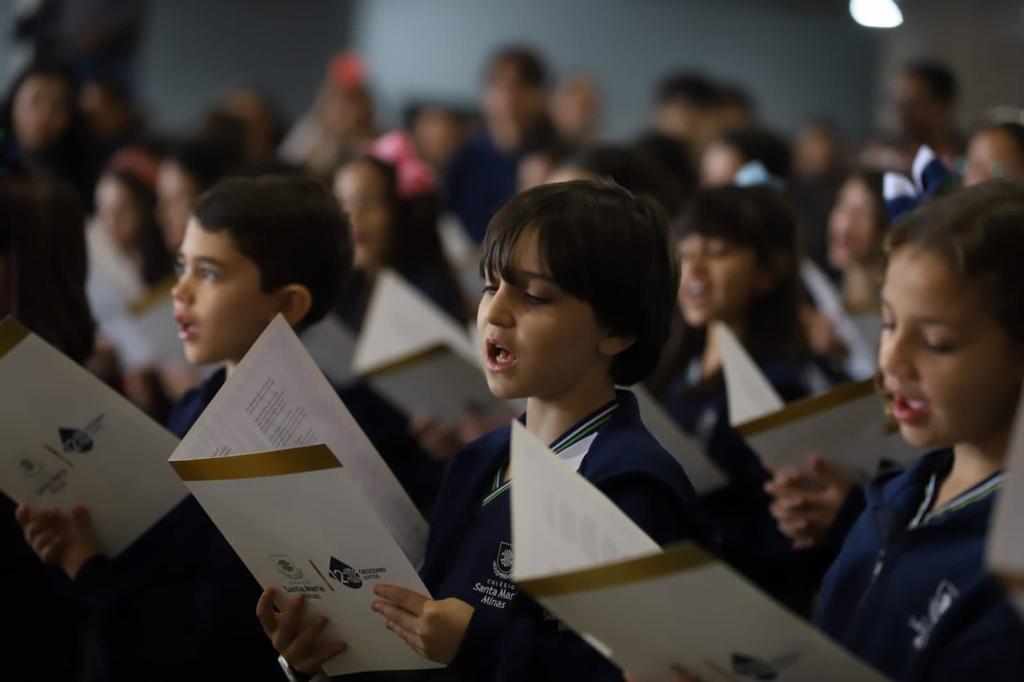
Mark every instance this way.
x=295 y=302
x=613 y=345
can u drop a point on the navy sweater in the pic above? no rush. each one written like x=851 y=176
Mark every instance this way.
x=516 y=640
x=918 y=603
x=178 y=604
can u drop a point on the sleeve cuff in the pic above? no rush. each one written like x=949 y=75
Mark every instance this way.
x=479 y=649
x=294 y=675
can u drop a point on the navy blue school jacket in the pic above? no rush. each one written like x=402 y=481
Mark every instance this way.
x=918 y=603
x=751 y=541
x=178 y=604
x=510 y=637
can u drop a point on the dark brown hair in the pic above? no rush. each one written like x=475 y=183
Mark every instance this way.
x=42 y=244
x=979 y=231
x=607 y=248
x=290 y=227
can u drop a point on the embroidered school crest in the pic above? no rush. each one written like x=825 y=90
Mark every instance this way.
x=503 y=563
x=940 y=602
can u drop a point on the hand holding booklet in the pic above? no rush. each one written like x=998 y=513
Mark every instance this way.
x=69 y=439
x=654 y=613
x=277 y=398
x=845 y=425
x=418 y=358
x=301 y=523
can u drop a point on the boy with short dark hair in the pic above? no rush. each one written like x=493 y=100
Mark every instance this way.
x=580 y=284
x=176 y=605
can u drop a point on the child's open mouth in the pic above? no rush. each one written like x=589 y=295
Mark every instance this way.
x=499 y=358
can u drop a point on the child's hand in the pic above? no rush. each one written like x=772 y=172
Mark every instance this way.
x=296 y=642
x=57 y=539
x=807 y=502
x=433 y=629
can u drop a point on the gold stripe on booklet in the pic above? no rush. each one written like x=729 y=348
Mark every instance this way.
x=12 y=333
x=257 y=464
x=157 y=294
x=678 y=559
x=407 y=361
x=808 y=407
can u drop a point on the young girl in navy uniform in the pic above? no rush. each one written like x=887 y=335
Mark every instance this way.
x=739 y=267
x=909 y=591
x=580 y=285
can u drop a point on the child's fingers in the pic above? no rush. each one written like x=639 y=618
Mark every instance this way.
x=315 y=660
x=288 y=624
x=23 y=513
x=265 y=612
x=304 y=643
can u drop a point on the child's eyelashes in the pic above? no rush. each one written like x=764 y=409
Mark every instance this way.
x=536 y=300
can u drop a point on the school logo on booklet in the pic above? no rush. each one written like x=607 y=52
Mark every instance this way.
x=754 y=668
x=79 y=440
x=503 y=563
x=287 y=567
x=341 y=572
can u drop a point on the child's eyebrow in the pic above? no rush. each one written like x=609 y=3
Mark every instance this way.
x=206 y=260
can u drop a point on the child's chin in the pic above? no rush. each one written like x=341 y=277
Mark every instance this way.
x=503 y=390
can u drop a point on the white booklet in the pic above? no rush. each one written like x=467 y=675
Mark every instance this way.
x=277 y=398
x=846 y=425
x=302 y=524
x=653 y=613
x=70 y=439
x=1006 y=536
x=860 y=338
x=331 y=345
x=417 y=357
x=688 y=451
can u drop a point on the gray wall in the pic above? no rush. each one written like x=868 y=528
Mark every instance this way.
x=798 y=59
x=194 y=50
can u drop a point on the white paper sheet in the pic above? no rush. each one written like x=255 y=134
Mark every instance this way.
x=414 y=355
x=301 y=524
x=278 y=398
x=70 y=439
x=1006 y=538
x=651 y=612
x=332 y=346
x=750 y=394
x=846 y=425
x=687 y=450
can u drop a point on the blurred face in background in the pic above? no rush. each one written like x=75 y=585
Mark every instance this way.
x=364 y=195
x=719 y=164
x=41 y=112
x=117 y=212
x=575 y=109
x=437 y=134
x=348 y=112
x=176 y=191
x=992 y=154
x=920 y=115
x=511 y=106
x=854 y=235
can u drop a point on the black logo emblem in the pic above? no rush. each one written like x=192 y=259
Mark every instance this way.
x=75 y=440
x=343 y=573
